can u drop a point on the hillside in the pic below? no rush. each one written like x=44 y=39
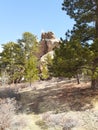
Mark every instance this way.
x=56 y=104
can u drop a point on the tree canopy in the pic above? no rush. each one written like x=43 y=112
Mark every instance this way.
x=79 y=49
x=12 y=60
x=19 y=59
x=29 y=46
x=85 y=14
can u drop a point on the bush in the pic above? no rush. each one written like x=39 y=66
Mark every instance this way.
x=41 y=124
x=7 y=112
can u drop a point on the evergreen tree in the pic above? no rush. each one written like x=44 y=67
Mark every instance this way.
x=29 y=46
x=45 y=66
x=85 y=14
x=31 y=70
x=28 y=43
x=12 y=61
x=69 y=60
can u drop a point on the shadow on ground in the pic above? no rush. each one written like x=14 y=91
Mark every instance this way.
x=9 y=93
x=58 y=99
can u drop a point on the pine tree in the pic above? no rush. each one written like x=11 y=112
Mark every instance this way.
x=45 y=66
x=29 y=46
x=12 y=61
x=85 y=14
x=31 y=70
x=69 y=60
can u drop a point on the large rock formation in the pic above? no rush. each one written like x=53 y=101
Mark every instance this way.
x=45 y=59
x=48 y=43
x=48 y=35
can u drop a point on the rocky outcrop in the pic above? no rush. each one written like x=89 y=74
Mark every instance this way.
x=44 y=57
x=47 y=43
x=48 y=35
x=46 y=52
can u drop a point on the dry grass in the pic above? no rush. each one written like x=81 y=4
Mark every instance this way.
x=67 y=100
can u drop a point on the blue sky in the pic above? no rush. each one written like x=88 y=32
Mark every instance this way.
x=35 y=16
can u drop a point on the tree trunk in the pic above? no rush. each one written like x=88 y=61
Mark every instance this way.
x=78 y=80
x=30 y=82
x=94 y=83
x=96 y=21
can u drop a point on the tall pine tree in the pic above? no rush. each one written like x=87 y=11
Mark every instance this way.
x=29 y=46
x=85 y=14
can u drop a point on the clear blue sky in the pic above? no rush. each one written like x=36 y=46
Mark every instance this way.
x=35 y=16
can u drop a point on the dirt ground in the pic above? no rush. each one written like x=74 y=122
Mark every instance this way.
x=64 y=100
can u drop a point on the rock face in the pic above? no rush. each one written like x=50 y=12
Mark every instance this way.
x=48 y=43
x=48 y=35
x=44 y=57
x=46 y=50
